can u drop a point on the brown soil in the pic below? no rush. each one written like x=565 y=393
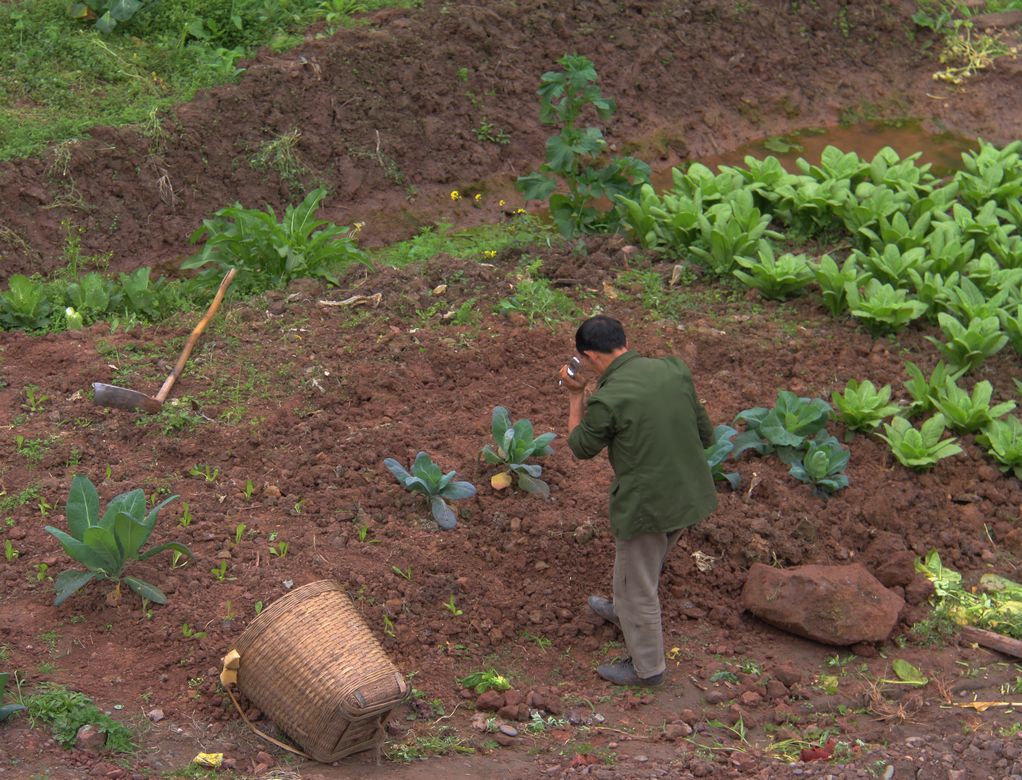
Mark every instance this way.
x=305 y=401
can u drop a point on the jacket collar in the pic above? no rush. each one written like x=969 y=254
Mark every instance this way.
x=619 y=361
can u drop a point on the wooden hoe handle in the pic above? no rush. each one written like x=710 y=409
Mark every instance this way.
x=179 y=367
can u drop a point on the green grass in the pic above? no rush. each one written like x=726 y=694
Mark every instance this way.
x=63 y=77
x=481 y=243
x=65 y=711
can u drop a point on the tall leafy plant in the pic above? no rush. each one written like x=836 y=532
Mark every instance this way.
x=105 y=543
x=783 y=429
x=513 y=445
x=269 y=253
x=426 y=478
x=572 y=154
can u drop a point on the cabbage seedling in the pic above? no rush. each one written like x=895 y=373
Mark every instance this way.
x=968 y=346
x=489 y=680
x=427 y=478
x=717 y=453
x=1003 y=440
x=862 y=407
x=784 y=428
x=106 y=543
x=919 y=449
x=516 y=444
x=823 y=464
x=968 y=413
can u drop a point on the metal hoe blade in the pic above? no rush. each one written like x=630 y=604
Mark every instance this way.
x=123 y=398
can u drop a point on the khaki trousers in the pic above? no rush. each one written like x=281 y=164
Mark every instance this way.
x=638 y=563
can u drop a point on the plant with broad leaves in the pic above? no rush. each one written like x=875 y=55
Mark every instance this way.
x=268 y=254
x=483 y=681
x=920 y=448
x=25 y=305
x=882 y=307
x=862 y=407
x=515 y=444
x=966 y=301
x=1003 y=442
x=933 y=289
x=832 y=281
x=823 y=464
x=106 y=13
x=967 y=413
x=425 y=477
x=968 y=346
x=892 y=264
x=571 y=154
x=6 y=710
x=923 y=390
x=717 y=453
x=106 y=543
x=783 y=429
x=776 y=278
x=731 y=229
x=1012 y=325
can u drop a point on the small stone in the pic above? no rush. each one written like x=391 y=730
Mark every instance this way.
x=490 y=701
x=716 y=697
x=677 y=730
x=90 y=738
x=262 y=757
x=155 y=715
x=503 y=739
x=508 y=730
x=479 y=721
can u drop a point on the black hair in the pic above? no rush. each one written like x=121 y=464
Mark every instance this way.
x=600 y=334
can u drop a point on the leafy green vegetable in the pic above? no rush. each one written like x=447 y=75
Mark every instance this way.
x=65 y=711
x=1003 y=442
x=427 y=478
x=882 y=307
x=967 y=413
x=484 y=681
x=729 y=230
x=922 y=389
x=778 y=278
x=783 y=429
x=6 y=710
x=107 y=13
x=892 y=265
x=717 y=453
x=515 y=444
x=106 y=543
x=268 y=254
x=967 y=347
x=996 y=605
x=570 y=154
x=25 y=304
x=833 y=280
x=907 y=673
x=862 y=407
x=919 y=449
x=823 y=464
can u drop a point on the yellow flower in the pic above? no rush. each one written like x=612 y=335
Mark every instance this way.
x=455 y=195
x=490 y=253
x=500 y=203
x=477 y=197
x=520 y=211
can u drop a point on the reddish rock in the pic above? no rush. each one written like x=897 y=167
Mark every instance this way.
x=677 y=730
x=90 y=738
x=898 y=569
x=513 y=697
x=775 y=689
x=490 y=701
x=788 y=673
x=835 y=605
x=919 y=590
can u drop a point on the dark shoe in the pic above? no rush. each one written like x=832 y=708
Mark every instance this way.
x=623 y=673
x=605 y=609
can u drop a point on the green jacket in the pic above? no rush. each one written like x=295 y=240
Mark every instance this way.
x=645 y=410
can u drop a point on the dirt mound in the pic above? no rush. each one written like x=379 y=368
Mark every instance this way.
x=394 y=116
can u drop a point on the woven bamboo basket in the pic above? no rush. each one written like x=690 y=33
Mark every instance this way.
x=311 y=664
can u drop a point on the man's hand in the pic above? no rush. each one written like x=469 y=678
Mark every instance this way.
x=572 y=384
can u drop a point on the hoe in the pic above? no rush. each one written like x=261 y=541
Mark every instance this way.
x=123 y=398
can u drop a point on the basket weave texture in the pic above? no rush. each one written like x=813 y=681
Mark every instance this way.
x=311 y=664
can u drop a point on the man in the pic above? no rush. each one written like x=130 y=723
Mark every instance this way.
x=646 y=412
